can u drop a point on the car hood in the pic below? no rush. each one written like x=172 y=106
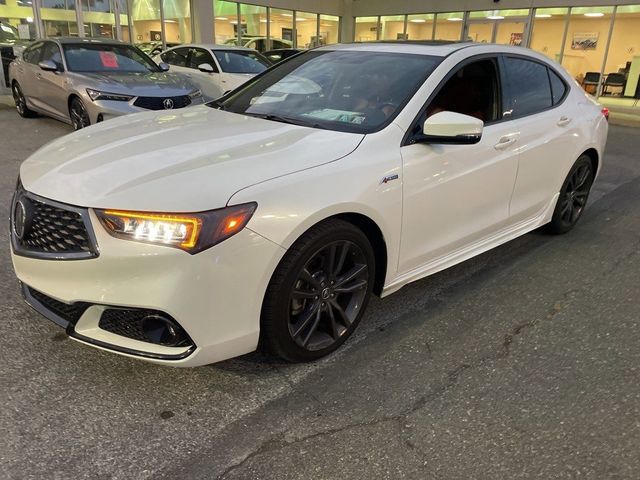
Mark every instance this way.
x=190 y=160
x=151 y=84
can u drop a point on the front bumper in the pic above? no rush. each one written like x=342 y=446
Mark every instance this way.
x=215 y=296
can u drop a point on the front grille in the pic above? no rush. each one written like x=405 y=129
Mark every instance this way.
x=158 y=103
x=129 y=323
x=50 y=229
x=71 y=312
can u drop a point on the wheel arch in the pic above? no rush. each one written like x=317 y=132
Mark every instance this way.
x=372 y=231
x=593 y=154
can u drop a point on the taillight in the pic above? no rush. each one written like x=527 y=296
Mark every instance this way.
x=605 y=112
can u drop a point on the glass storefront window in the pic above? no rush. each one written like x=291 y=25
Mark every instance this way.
x=281 y=28
x=392 y=27
x=505 y=27
x=420 y=27
x=307 y=30
x=586 y=42
x=145 y=20
x=449 y=26
x=16 y=21
x=329 y=29
x=548 y=31
x=59 y=18
x=177 y=21
x=254 y=27
x=124 y=20
x=622 y=69
x=366 y=29
x=225 y=16
x=99 y=20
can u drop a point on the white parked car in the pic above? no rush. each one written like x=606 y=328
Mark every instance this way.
x=215 y=69
x=270 y=216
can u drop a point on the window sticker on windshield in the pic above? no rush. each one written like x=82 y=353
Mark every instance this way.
x=109 y=59
x=337 y=115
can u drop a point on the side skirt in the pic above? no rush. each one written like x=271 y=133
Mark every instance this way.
x=469 y=251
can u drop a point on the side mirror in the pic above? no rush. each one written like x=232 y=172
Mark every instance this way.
x=48 y=66
x=206 y=68
x=451 y=128
x=164 y=66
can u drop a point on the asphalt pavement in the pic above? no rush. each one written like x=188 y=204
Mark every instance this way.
x=521 y=363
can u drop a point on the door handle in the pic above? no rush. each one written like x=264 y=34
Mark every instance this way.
x=504 y=143
x=564 y=121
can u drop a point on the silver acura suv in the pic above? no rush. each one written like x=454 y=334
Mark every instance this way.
x=85 y=81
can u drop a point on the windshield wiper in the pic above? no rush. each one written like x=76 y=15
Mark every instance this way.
x=279 y=118
x=216 y=104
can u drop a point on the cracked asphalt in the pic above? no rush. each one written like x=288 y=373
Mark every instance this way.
x=521 y=363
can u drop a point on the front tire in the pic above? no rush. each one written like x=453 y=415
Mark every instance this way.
x=573 y=196
x=318 y=293
x=21 y=102
x=78 y=114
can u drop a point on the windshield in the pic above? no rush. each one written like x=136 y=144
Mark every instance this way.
x=232 y=61
x=8 y=33
x=350 y=91
x=99 y=58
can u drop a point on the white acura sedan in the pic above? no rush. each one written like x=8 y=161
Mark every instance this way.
x=269 y=217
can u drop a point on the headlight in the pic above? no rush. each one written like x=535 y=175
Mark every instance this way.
x=96 y=95
x=196 y=94
x=192 y=232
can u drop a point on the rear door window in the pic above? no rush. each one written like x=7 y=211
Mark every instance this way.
x=529 y=87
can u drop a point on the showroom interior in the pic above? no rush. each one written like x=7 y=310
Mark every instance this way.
x=597 y=42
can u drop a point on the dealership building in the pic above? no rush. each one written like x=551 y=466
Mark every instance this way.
x=597 y=42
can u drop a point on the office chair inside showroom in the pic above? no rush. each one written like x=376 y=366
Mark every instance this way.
x=591 y=81
x=615 y=80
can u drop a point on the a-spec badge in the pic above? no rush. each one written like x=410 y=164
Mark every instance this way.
x=389 y=178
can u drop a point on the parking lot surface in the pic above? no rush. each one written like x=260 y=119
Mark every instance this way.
x=521 y=363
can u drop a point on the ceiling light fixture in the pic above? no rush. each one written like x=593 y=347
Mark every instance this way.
x=543 y=15
x=454 y=19
x=594 y=14
x=495 y=17
x=418 y=20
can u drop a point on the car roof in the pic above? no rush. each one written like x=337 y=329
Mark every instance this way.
x=212 y=46
x=425 y=47
x=77 y=40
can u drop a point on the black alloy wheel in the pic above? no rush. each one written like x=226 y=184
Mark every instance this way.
x=79 y=116
x=573 y=196
x=319 y=292
x=21 y=102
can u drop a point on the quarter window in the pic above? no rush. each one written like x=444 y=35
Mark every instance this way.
x=530 y=89
x=558 y=87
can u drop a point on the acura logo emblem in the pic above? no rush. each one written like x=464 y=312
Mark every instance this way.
x=22 y=218
x=167 y=104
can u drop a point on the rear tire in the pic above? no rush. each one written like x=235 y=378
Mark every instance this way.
x=78 y=114
x=318 y=293
x=21 y=102
x=573 y=198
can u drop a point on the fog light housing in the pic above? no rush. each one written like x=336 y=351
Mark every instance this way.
x=148 y=326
